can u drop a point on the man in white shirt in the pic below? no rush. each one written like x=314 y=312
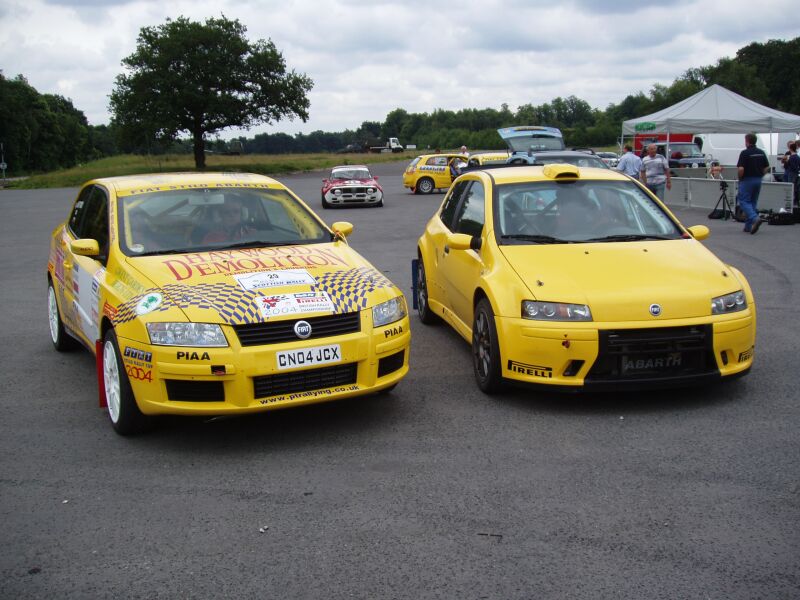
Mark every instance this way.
x=655 y=172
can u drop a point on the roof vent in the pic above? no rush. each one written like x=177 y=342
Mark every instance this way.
x=558 y=171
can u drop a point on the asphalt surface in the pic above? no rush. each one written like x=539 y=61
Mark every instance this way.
x=432 y=491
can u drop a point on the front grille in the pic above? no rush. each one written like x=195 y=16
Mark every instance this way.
x=195 y=391
x=273 y=332
x=630 y=354
x=391 y=363
x=304 y=381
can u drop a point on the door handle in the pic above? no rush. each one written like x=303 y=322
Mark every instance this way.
x=447 y=249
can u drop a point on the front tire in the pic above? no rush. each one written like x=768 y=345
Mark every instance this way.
x=486 y=349
x=123 y=412
x=425 y=185
x=325 y=203
x=62 y=341
x=424 y=311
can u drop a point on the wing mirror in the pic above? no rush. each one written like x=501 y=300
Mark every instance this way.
x=342 y=228
x=462 y=241
x=699 y=232
x=85 y=247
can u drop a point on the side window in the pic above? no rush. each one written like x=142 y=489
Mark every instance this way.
x=79 y=210
x=451 y=203
x=95 y=220
x=471 y=214
x=437 y=161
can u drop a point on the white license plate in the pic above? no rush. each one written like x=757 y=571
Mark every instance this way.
x=319 y=355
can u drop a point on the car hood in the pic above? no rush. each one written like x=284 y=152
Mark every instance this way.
x=253 y=285
x=620 y=281
x=348 y=182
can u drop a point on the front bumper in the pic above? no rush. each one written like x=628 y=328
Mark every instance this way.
x=353 y=195
x=244 y=379
x=626 y=355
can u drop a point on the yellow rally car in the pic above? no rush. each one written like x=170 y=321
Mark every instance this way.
x=215 y=294
x=579 y=278
x=431 y=172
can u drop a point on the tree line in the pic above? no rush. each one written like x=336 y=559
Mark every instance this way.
x=42 y=132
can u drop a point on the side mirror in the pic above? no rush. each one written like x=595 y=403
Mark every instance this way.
x=462 y=241
x=375 y=177
x=699 y=232
x=85 y=247
x=324 y=181
x=342 y=228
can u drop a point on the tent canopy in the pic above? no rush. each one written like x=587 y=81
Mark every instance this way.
x=714 y=110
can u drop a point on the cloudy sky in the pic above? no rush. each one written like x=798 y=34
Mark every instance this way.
x=367 y=57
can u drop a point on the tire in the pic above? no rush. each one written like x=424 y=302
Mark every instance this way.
x=485 y=349
x=380 y=203
x=62 y=341
x=123 y=412
x=424 y=311
x=425 y=185
x=325 y=203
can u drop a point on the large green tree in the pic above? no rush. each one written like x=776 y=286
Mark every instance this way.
x=201 y=78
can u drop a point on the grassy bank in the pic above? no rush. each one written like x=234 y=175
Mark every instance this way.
x=266 y=164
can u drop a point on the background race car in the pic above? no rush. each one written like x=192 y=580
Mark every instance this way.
x=351 y=185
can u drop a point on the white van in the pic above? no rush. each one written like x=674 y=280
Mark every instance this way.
x=726 y=147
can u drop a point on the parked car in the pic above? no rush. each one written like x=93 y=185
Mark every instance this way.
x=580 y=279
x=610 y=158
x=430 y=172
x=218 y=294
x=351 y=185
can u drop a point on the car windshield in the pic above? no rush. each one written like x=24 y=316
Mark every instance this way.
x=686 y=150
x=570 y=211
x=202 y=219
x=535 y=142
x=355 y=173
x=579 y=160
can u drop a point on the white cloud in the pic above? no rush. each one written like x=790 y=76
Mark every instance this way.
x=368 y=57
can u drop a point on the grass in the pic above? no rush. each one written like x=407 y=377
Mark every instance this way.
x=265 y=164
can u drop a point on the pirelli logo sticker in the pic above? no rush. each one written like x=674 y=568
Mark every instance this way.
x=530 y=370
x=746 y=355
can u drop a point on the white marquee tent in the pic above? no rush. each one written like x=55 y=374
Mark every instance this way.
x=714 y=110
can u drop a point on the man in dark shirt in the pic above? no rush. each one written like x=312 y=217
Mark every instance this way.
x=752 y=166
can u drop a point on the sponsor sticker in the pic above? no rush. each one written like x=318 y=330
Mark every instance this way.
x=319 y=355
x=530 y=370
x=268 y=279
x=650 y=363
x=149 y=303
x=290 y=304
x=311 y=394
x=746 y=355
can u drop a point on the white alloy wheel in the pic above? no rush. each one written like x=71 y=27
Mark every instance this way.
x=111 y=379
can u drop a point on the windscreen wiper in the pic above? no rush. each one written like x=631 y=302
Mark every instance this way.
x=630 y=237
x=538 y=239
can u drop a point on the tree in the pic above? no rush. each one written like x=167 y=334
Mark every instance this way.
x=201 y=78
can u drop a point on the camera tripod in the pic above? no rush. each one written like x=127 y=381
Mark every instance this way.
x=727 y=211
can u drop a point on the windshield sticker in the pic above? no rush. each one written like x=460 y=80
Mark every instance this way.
x=289 y=304
x=268 y=279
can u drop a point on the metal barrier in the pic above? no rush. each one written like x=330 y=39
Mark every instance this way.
x=705 y=193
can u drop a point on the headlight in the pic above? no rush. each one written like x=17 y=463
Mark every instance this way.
x=186 y=334
x=728 y=303
x=337 y=191
x=555 y=311
x=370 y=190
x=389 y=311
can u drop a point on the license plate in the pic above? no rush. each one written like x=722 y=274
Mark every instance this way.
x=658 y=362
x=319 y=355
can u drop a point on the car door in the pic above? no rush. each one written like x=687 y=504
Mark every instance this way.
x=462 y=268
x=436 y=232
x=87 y=272
x=64 y=268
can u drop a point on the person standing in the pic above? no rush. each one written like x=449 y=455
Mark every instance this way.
x=791 y=170
x=655 y=173
x=752 y=166
x=629 y=164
